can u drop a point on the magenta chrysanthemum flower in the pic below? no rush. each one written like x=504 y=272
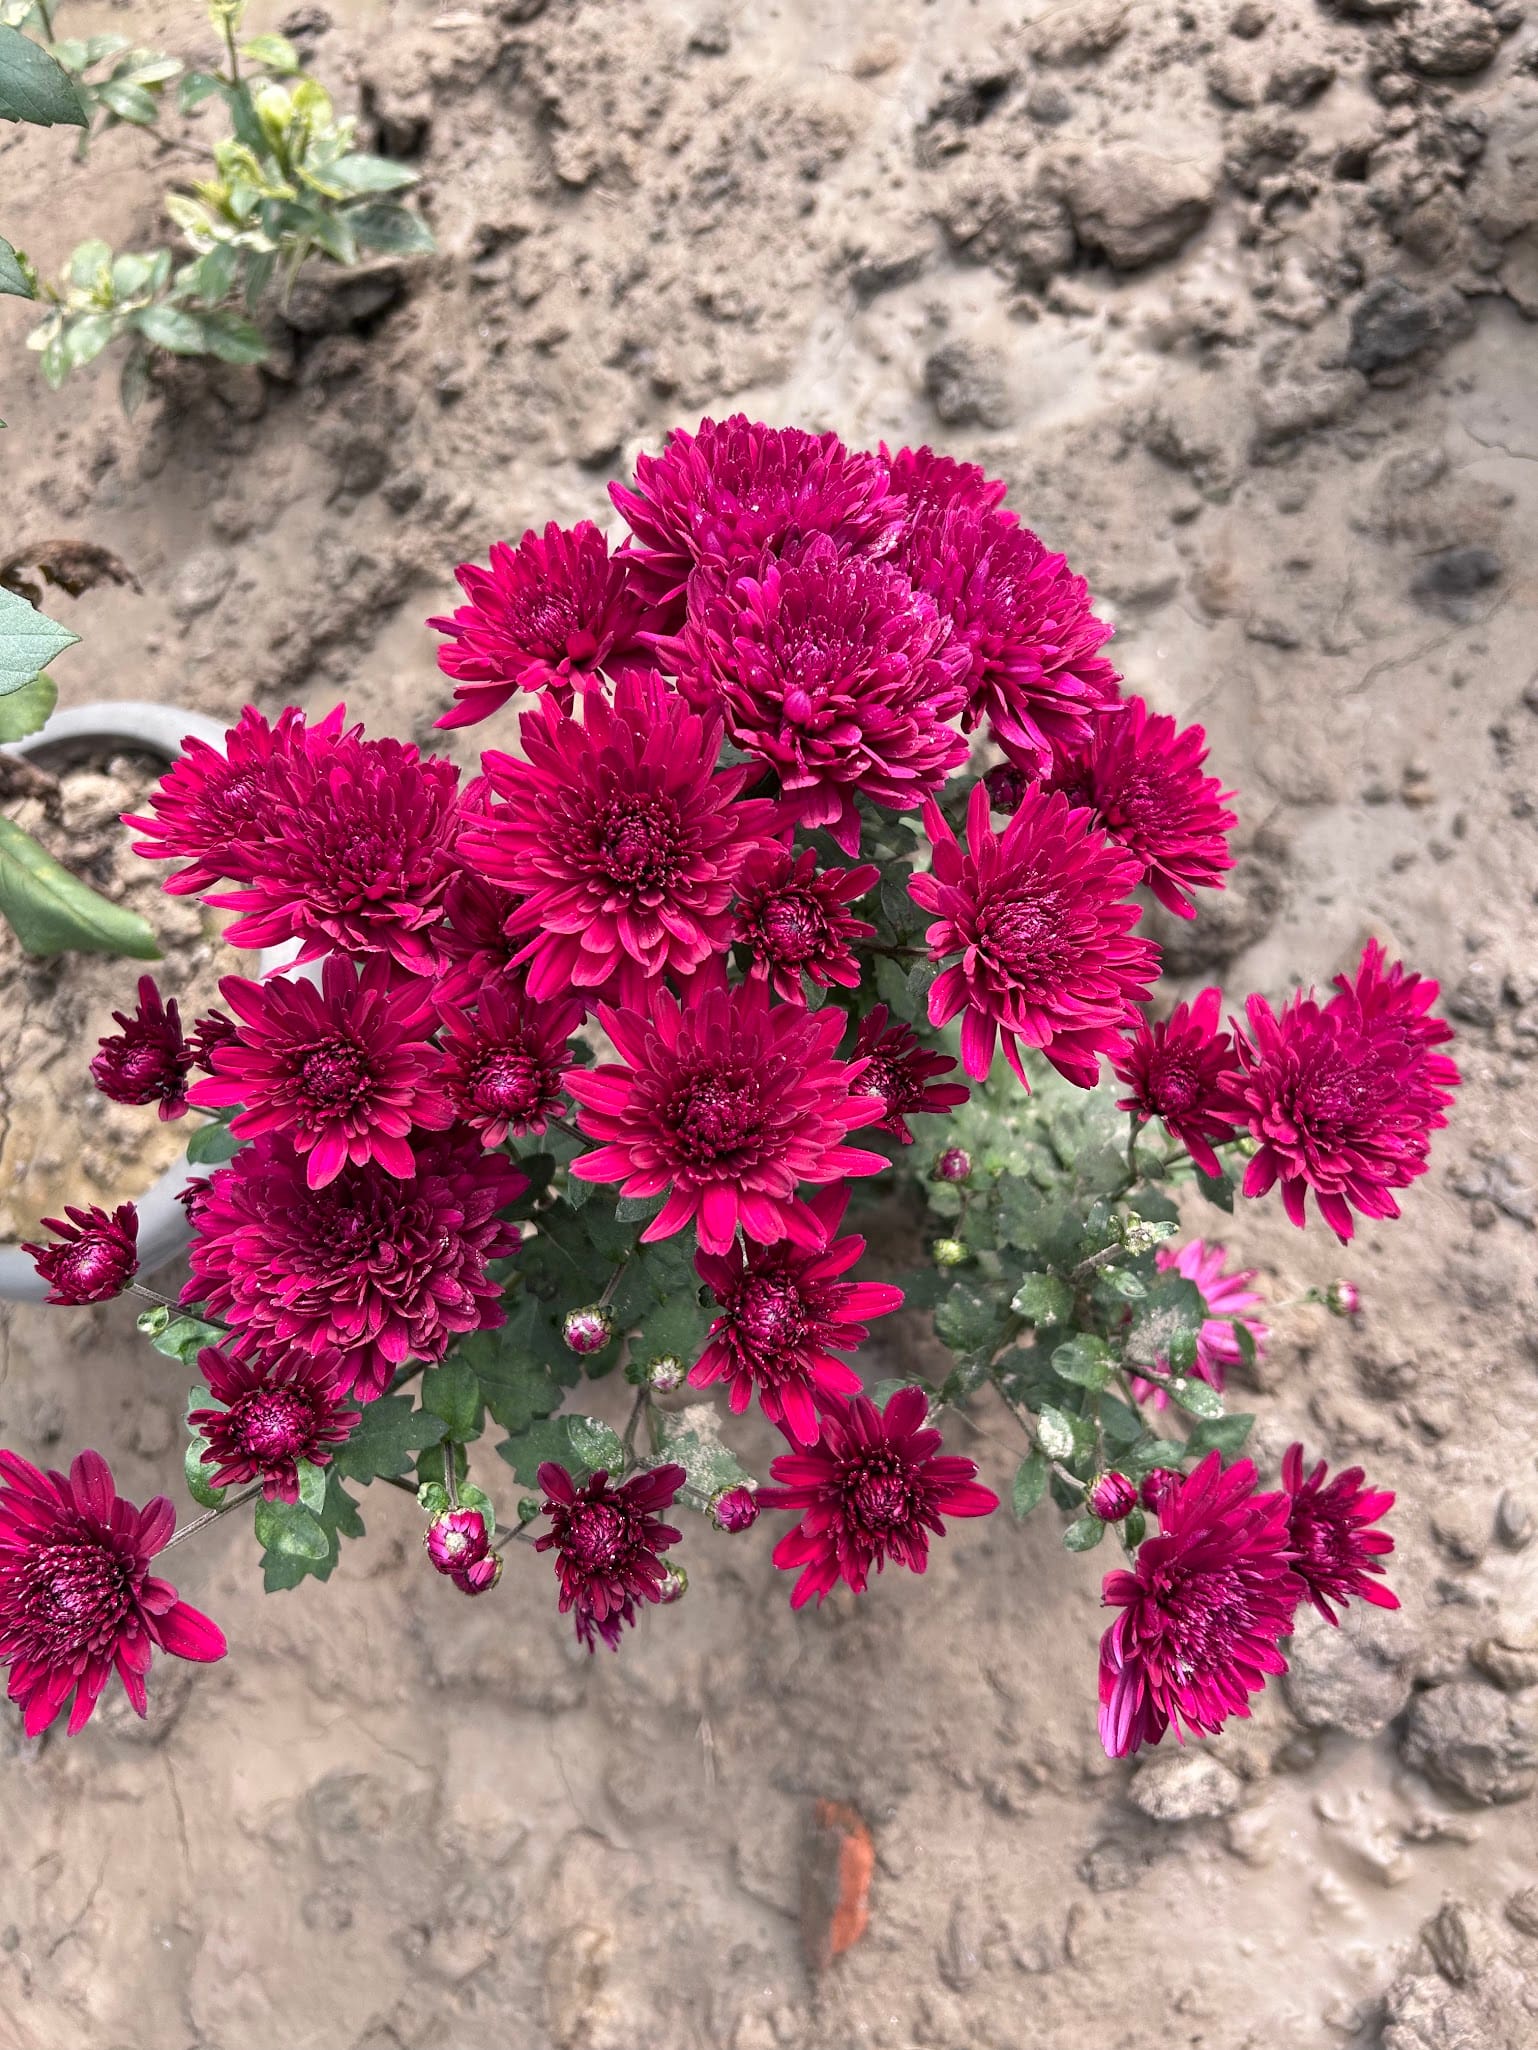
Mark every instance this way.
x=1181 y=1069
x=275 y=1410
x=473 y=943
x=1336 y=1554
x=608 y=1543
x=621 y=839
x=1142 y=777
x=929 y=482
x=345 y=1071
x=794 y=919
x=833 y=670
x=718 y=499
x=148 y=1059
x=357 y=855
x=872 y=1490
x=727 y=1103
x=209 y=1032
x=1038 y=916
x=1343 y=1096
x=214 y=810
x=901 y=1073
x=1024 y=618
x=503 y=1064
x=557 y=607
x=785 y=1315
x=1229 y=1300
x=77 y=1599
x=1202 y=1608
x=95 y=1257
x=383 y=1270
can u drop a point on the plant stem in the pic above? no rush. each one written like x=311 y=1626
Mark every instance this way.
x=151 y=1295
x=450 y=1478
x=229 y=44
x=1101 y=1259
x=613 y=1282
x=209 y=1516
x=643 y=1399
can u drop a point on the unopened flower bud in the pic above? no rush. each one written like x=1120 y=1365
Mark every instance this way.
x=954 y=1165
x=1112 y=1497
x=457 y=1540
x=949 y=1252
x=587 y=1330
x=1006 y=786
x=675 y=1583
x=734 y=1509
x=1158 y=1486
x=480 y=1577
x=1343 y=1299
x=665 y=1373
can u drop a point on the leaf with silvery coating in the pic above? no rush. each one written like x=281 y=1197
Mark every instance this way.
x=29 y=641
x=1043 y=1299
x=1055 y=1433
x=1173 y=1309
x=1083 y=1534
x=692 y=1438
x=1226 y=1434
x=1030 y=1484
x=556 y=1439
x=1085 y=1360
x=1195 y=1396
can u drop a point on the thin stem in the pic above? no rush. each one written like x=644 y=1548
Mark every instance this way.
x=643 y=1398
x=613 y=1282
x=151 y=1295
x=450 y=1478
x=565 y=1125
x=209 y=1516
x=229 y=44
x=892 y=953
x=1133 y=1127
x=1101 y=1259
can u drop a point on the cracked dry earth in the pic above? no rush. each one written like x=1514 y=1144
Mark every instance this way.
x=1238 y=294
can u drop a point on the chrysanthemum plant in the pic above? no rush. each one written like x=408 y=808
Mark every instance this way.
x=810 y=904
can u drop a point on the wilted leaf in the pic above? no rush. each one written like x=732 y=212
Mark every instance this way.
x=74 y=566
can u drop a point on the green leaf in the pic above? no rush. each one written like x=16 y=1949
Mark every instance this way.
x=516 y=1387
x=199 y=1487
x=1182 y=1352
x=1085 y=1360
x=384 y=1443
x=1043 y=1299
x=24 y=711
x=1245 y=1339
x=85 y=336
x=1218 y=1189
x=971 y=1318
x=34 y=86
x=361 y=173
x=1172 y=1309
x=638 y=1209
x=215 y=1142
x=1121 y=1424
x=1084 y=1533
x=29 y=641
x=51 y=912
x=597 y=1446
x=312 y=1485
x=233 y=339
x=1195 y=1396
x=13 y=278
x=1055 y=1433
x=392 y=229
x=178 y=1336
x=134 y=378
x=195 y=88
x=168 y=327
x=128 y=101
x=692 y=1437
x=1225 y=1434
x=1134 y=1523
x=566 y=1440
x=1030 y=1484
x=1122 y=1282
x=290 y=1529
x=276 y=52
x=678 y=1327
x=453 y=1394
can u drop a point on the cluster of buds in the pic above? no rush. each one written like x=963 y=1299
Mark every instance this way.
x=459 y=1545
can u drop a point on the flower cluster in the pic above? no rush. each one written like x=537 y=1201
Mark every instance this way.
x=817 y=789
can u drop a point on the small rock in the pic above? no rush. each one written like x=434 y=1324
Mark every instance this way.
x=1136 y=206
x=1076 y=35
x=1522 y=1910
x=1299 y=80
x=1251 y=18
x=1289 y=407
x=965 y=385
x=201 y=582
x=1459 y=1943
x=1350 y=1679
x=1475 y=997
x=1449 y=39
x=1391 y=325
x=1235 y=79
x=1449 y=581
x=1515 y=1523
x=1462 y=1531
x=1472 y=1740
x=1188 y=1786
x=1512 y=1667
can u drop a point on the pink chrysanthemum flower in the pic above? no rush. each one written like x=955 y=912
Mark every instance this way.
x=901 y=1072
x=873 y=1489
x=77 y=1599
x=504 y=1063
x=346 y=1070
x=1039 y=918
x=474 y=945
x=383 y=1270
x=275 y=1410
x=214 y=810
x=727 y=1103
x=1142 y=777
x=794 y=919
x=833 y=670
x=1181 y=1069
x=209 y=1032
x=929 y=482
x=608 y=1543
x=558 y=607
x=621 y=839
x=716 y=500
x=95 y=1256
x=1229 y=1300
x=1024 y=618
x=1202 y=1608
x=1337 y=1555
x=148 y=1059
x=1343 y=1096
x=358 y=853
x=785 y=1315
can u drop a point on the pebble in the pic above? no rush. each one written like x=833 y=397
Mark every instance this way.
x=1186 y=1787
x=1474 y=1741
x=1511 y=1667
x=1350 y=1679
x=1137 y=207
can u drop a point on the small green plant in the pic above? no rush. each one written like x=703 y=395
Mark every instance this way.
x=284 y=184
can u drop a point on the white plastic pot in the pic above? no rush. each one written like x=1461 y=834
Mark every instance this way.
x=157 y=730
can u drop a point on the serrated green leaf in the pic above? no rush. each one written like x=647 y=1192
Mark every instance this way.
x=1225 y=1434
x=52 y=912
x=453 y=1394
x=312 y=1486
x=1085 y=1360
x=692 y=1438
x=27 y=710
x=1083 y=1534
x=391 y=1432
x=391 y=229
x=13 y=276
x=1172 y=1310
x=1030 y=1484
x=550 y=1439
x=362 y=173
x=177 y=1335
x=1218 y=1189
x=518 y=1386
x=638 y=1209
x=971 y=1318
x=29 y=641
x=291 y=1530
x=34 y=86
x=1043 y=1299
x=1195 y=1396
